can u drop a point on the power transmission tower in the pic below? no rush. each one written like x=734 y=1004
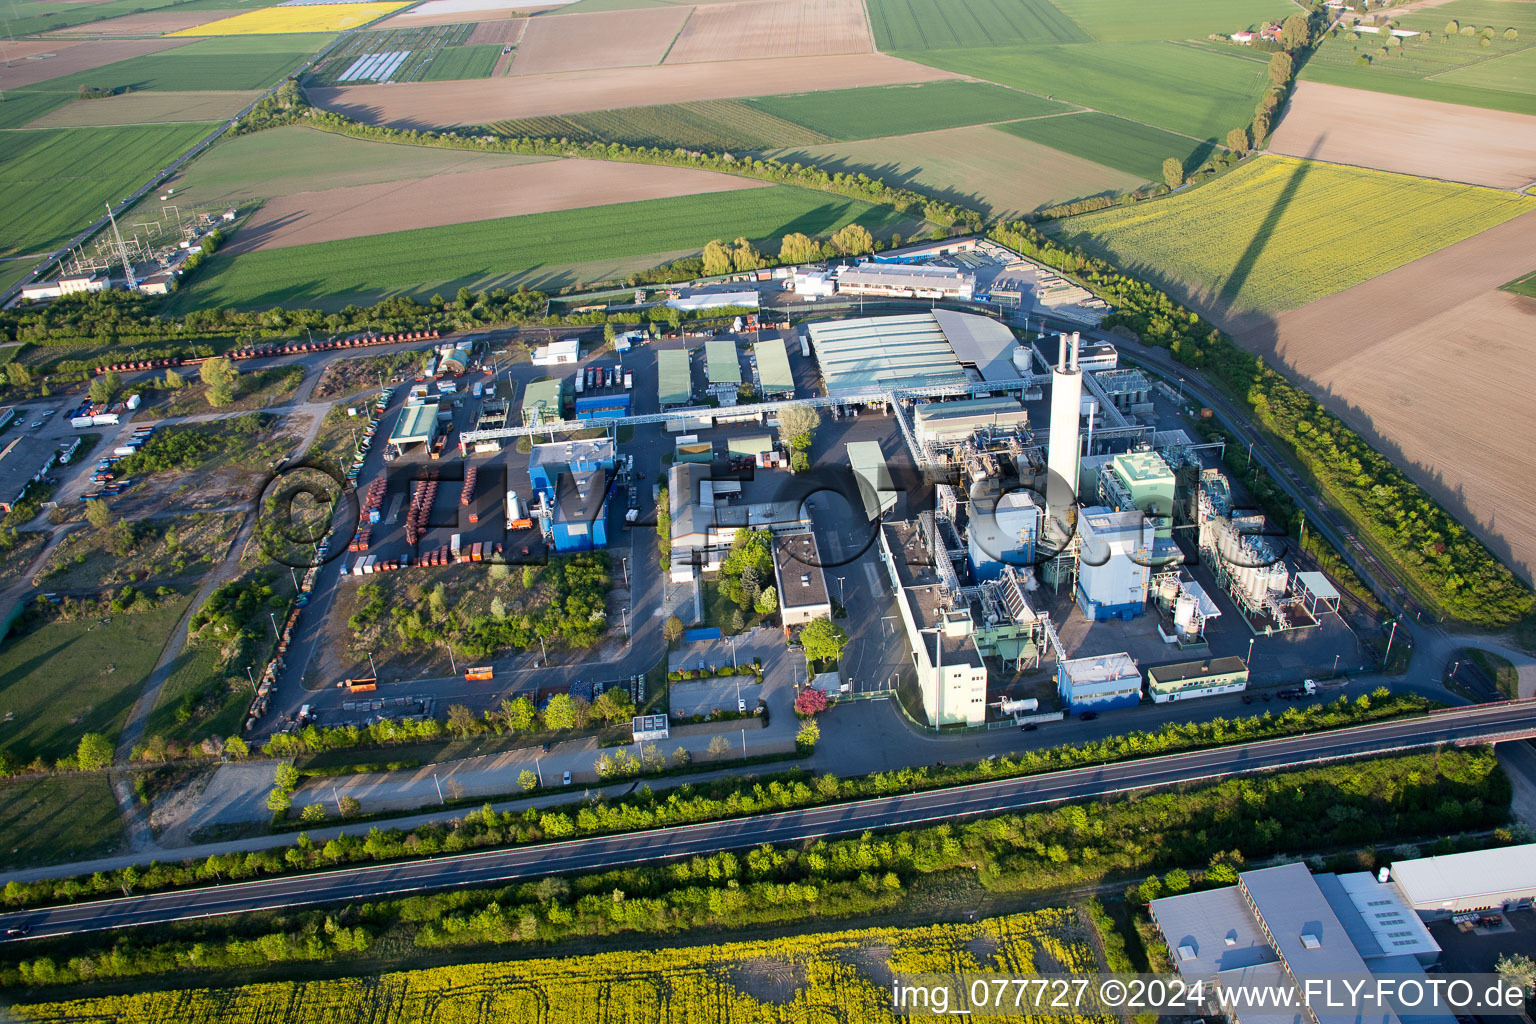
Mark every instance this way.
x=122 y=252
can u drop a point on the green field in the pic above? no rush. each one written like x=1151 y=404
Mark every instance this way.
x=876 y=111
x=54 y=181
x=1523 y=286
x=459 y=62
x=1128 y=146
x=1124 y=21
x=717 y=125
x=280 y=161
x=70 y=678
x=19 y=18
x=999 y=173
x=437 y=53
x=513 y=250
x=1182 y=89
x=942 y=25
x=1513 y=72
x=1276 y=233
x=57 y=820
x=1500 y=14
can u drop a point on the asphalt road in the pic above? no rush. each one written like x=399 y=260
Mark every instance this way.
x=1457 y=726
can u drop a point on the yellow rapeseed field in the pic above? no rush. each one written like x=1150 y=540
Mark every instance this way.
x=311 y=18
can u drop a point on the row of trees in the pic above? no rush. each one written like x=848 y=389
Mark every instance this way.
x=741 y=255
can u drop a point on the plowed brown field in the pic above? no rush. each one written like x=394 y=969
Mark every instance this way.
x=498 y=33
x=1411 y=136
x=447 y=104
x=148 y=108
x=149 y=23
x=1436 y=366
x=325 y=216
x=72 y=57
x=773 y=28
x=607 y=39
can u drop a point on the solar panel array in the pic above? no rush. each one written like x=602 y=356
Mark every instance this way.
x=374 y=67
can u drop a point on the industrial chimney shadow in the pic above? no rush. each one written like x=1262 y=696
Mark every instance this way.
x=1243 y=268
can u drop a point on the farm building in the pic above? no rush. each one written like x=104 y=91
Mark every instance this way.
x=603 y=407
x=722 y=365
x=542 y=403
x=892 y=279
x=558 y=353
x=875 y=485
x=1100 y=682
x=774 y=377
x=417 y=425
x=674 y=377
x=802 y=586
x=1188 y=679
x=934 y=349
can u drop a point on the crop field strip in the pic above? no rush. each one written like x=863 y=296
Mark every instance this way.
x=821 y=976
x=148 y=108
x=1125 y=21
x=943 y=25
x=1182 y=89
x=1277 y=233
x=718 y=125
x=1125 y=145
x=54 y=181
x=753 y=29
x=423 y=49
x=877 y=111
x=507 y=251
x=609 y=39
x=284 y=20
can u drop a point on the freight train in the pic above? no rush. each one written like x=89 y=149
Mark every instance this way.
x=271 y=351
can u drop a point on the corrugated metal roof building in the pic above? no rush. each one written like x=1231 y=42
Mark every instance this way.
x=541 y=402
x=875 y=485
x=722 y=362
x=417 y=425
x=674 y=379
x=773 y=372
x=884 y=352
x=1463 y=882
x=981 y=342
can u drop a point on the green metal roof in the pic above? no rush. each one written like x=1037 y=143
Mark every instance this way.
x=875 y=485
x=674 y=385
x=416 y=426
x=773 y=367
x=541 y=401
x=724 y=362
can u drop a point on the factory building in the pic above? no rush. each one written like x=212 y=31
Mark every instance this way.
x=558 y=353
x=1190 y=679
x=602 y=407
x=674 y=377
x=1114 y=567
x=774 y=378
x=707 y=513
x=1002 y=529
x=951 y=674
x=1501 y=879
x=1098 y=683
x=947 y=423
x=983 y=346
x=722 y=368
x=909 y=282
x=873 y=477
x=1142 y=481
x=1287 y=929
x=802 y=586
x=934 y=349
x=417 y=425
x=713 y=300
x=542 y=403
x=570 y=481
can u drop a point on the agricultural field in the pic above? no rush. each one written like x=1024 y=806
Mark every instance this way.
x=307 y=218
x=450 y=104
x=1267 y=236
x=53 y=182
x=1523 y=286
x=48 y=17
x=1195 y=92
x=148 y=108
x=184 y=547
x=612 y=39
x=718 y=125
x=34 y=831
x=1000 y=173
x=149 y=23
x=870 y=113
x=282 y=161
x=835 y=975
x=1126 y=21
x=1450 y=141
x=30 y=63
x=512 y=251
x=1125 y=145
x=63 y=679
x=455 y=12
x=427 y=48
x=939 y=25
x=759 y=29
x=281 y=20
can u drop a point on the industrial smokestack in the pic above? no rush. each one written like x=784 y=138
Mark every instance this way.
x=1061 y=352
x=1072 y=351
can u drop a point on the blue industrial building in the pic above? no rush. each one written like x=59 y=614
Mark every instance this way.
x=602 y=407
x=571 y=479
x=1098 y=683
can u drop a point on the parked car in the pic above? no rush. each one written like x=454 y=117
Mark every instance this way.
x=1028 y=727
x=741 y=705
x=1087 y=716
x=565 y=779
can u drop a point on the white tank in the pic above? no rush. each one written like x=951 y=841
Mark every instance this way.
x=1184 y=615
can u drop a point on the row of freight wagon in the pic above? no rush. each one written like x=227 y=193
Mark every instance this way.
x=269 y=351
x=480 y=551
x=268 y=681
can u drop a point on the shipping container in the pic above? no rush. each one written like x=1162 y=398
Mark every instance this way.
x=477 y=674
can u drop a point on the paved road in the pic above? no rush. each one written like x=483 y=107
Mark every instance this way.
x=1457 y=726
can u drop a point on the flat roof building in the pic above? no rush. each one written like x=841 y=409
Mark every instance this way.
x=1140 y=480
x=542 y=402
x=1114 y=564
x=954 y=421
x=774 y=376
x=1188 y=679
x=417 y=425
x=558 y=353
x=1098 y=683
x=1460 y=883
x=722 y=364
x=874 y=478
x=674 y=377
x=802 y=585
x=905 y=281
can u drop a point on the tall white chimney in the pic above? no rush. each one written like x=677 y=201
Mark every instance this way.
x=1062 y=456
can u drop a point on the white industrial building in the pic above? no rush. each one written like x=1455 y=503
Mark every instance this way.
x=1115 y=563
x=1099 y=682
x=897 y=280
x=713 y=300
x=558 y=353
x=1461 y=883
x=1002 y=530
x=76 y=284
